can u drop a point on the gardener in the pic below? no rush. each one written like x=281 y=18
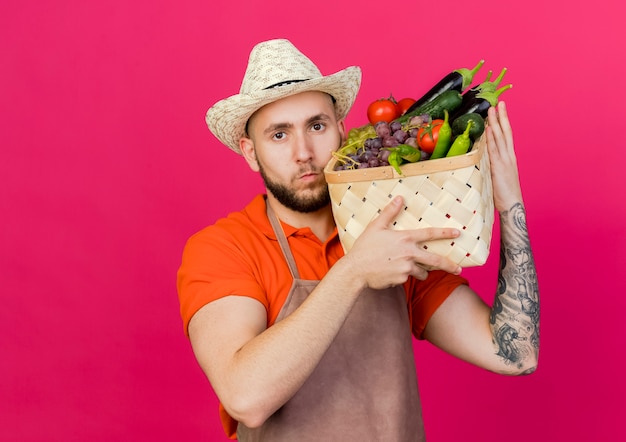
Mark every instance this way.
x=301 y=342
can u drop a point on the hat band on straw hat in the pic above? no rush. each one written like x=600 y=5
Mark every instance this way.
x=284 y=83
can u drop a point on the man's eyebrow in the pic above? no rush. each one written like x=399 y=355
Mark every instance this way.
x=319 y=117
x=279 y=126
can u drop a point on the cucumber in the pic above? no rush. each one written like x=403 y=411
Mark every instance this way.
x=448 y=100
x=477 y=129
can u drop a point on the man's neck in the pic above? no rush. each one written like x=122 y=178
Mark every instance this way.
x=321 y=222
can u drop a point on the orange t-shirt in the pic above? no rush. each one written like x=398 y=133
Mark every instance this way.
x=240 y=255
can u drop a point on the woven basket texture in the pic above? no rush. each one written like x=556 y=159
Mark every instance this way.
x=447 y=192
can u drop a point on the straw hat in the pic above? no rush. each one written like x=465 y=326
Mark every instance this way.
x=277 y=69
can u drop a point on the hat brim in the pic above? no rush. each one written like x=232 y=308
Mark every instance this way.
x=227 y=118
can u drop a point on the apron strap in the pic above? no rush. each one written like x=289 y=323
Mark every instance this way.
x=282 y=241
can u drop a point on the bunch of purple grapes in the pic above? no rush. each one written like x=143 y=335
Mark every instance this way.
x=366 y=148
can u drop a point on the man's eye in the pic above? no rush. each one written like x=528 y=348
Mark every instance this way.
x=318 y=126
x=279 y=135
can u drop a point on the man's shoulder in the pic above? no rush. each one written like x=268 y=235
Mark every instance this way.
x=251 y=221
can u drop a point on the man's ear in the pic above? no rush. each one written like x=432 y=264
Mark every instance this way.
x=341 y=124
x=246 y=145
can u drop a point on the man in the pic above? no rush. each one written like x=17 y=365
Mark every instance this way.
x=301 y=342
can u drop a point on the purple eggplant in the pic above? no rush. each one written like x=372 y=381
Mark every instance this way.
x=486 y=85
x=480 y=103
x=458 y=80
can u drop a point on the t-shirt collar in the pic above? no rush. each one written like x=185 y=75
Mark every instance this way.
x=257 y=210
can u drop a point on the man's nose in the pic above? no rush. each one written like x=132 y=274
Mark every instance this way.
x=304 y=148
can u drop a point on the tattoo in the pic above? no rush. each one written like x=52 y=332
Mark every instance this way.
x=515 y=312
x=508 y=348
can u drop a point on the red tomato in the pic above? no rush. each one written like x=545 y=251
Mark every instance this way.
x=404 y=104
x=383 y=109
x=427 y=136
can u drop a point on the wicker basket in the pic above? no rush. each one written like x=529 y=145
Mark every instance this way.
x=447 y=192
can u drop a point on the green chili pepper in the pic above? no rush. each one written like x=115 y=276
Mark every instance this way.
x=395 y=160
x=461 y=143
x=408 y=153
x=444 y=139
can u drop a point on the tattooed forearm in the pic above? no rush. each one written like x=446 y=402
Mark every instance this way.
x=515 y=311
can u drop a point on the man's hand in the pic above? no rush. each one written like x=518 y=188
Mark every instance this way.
x=505 y=177
x=385 y=257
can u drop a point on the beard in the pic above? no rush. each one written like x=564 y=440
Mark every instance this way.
x=288 y=197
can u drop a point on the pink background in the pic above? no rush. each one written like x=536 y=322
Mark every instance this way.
x=107 y=167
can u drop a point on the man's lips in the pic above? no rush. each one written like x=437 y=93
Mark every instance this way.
x=308 y=175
